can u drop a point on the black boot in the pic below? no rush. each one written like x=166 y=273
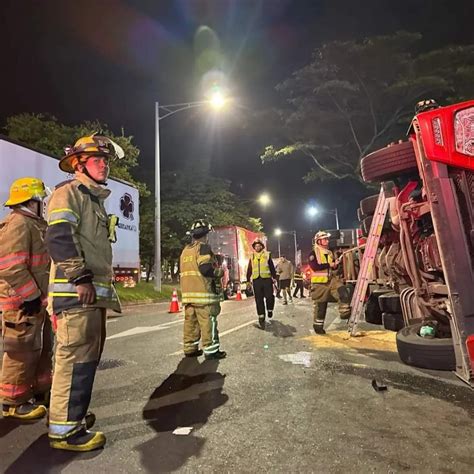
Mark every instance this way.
x=318 y=329
x=261 y=322
x=194 y=354
x=216 y=355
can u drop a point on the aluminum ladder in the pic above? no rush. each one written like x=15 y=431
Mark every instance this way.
x=365 y=273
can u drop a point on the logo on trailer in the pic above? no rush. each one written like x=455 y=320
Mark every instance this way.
x=126 y=206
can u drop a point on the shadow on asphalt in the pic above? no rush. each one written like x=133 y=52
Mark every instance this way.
x=7 y=425
x=39 y=457
x=279 y=329
x=186 y=398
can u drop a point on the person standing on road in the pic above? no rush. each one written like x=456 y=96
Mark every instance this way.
x=326 y=285
x=79 y=239
x=261 y=272
x=285 y=271
x=200 y=279
x=26 y=328
x=298 y=278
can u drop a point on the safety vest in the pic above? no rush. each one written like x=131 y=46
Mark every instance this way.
x=195 y=288
x=322 y=256
x=260 y=267
x=298 y=276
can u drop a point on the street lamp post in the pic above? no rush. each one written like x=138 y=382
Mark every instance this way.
x=216 y=101
x=313 y=211
x=278 y=233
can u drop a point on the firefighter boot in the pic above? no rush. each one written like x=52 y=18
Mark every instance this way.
x=320 y=315
x=216 y=355
x=26 y=411
x=89 y=420
x=261 y=321
x=81 y=441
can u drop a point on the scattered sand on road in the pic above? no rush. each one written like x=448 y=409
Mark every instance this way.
x=371 y=340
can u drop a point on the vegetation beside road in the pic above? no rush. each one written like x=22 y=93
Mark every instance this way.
x=145 y=292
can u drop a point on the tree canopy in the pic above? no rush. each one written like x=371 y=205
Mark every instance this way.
x=47 y=134
x=356 y=96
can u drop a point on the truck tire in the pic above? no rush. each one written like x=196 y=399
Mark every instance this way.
x=393 y=321
x=368 y=205
x=390 y=303
x=388 y=162
x=435 y=354
x=373 y=315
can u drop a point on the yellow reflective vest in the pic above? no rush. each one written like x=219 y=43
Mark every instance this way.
x=323 y=256
x=260 y=267
x=195 y=287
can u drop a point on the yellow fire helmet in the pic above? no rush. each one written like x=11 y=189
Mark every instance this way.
x=91 y=145
x=25 y=189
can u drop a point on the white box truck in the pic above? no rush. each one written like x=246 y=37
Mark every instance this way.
x=17 y=160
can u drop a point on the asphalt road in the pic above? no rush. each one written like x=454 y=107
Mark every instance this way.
x=284 y=400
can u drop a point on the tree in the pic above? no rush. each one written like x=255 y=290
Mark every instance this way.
x=47 y=134
x=192 y=195
x=354 y=97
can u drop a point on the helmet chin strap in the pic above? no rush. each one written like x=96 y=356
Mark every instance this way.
x=86 y=172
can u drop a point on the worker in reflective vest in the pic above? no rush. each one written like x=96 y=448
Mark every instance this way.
x=261 y=272
x=26 y=330
x=326 y=285
x=298 y=279
x=200 y=279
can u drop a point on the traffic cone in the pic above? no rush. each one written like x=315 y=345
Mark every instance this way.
x=174 y=306
x=239 y=295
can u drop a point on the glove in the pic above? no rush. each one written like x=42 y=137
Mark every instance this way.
x=30 y=308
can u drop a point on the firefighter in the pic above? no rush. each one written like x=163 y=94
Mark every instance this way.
x=326 y=285
x=78 y=238
x=201 y=293
x=298 y=278
x=26 y=328
x=261 y=272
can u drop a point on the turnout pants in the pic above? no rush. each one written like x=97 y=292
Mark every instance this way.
x=200 y=322
x=263 y=291
x=332 y=292
x=27 y=356
x=80 y=338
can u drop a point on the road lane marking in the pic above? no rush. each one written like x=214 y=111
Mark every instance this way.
x=159 y=327
x=248 y=323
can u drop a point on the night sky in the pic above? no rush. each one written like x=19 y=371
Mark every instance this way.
x=112 y=59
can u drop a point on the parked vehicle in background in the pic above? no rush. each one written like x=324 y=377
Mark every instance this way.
x=233 y=247
x=17 y=160
x=425 y=264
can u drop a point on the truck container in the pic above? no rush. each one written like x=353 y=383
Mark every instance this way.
x=17 y=160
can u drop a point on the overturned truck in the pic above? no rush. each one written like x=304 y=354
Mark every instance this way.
x=425 y=260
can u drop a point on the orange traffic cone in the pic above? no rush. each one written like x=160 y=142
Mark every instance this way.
x=174 y=306
x=239 y=295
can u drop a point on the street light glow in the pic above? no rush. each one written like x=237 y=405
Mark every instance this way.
x=217 y=100
x=278 y=232
x=264 y=199
x=312 y=211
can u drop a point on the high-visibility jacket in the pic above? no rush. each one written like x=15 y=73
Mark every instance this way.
x=324 y=257
x=260 y=266
x=298 y=277
x=24 y=260
x=195 y=287
x=78 y=242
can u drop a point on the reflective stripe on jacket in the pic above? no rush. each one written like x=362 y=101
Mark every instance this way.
x=323 y=256
x=24 y=260
x=260 y=266
x=78 y=241
x=195 y=287
x=298 y=276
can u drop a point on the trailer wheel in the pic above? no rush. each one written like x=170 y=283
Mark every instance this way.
x=368 y=205
x=393 y=321
x=435 y=354
x=373 y=315
x=390 y=303
x=388 y=162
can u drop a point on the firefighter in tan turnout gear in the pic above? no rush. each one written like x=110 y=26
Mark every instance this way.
x=26 y=328
x=200 y=283
x=326 y=285
x=79 y=237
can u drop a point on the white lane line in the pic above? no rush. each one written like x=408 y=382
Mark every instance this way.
x=248 y=323
x=159 y=327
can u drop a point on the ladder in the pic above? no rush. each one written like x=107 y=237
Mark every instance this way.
x=365 y=273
